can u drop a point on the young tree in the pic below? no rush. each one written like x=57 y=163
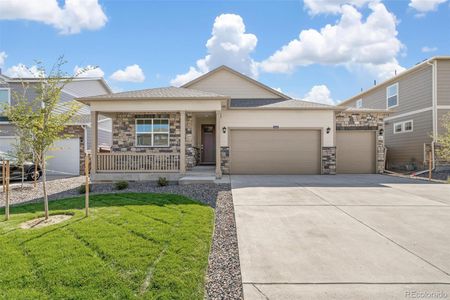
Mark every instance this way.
x=42 y=120
x=443 y=140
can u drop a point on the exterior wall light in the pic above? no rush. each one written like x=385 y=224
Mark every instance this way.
x=381 y=131
x=224 y=129
x=328 y=130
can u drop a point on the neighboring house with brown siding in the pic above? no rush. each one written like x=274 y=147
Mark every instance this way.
x=239 y=125
x=417 y=99
x=67 y=155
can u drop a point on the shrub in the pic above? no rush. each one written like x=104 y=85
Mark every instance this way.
x=162 y=181
x=82 y=188
x=121 y=185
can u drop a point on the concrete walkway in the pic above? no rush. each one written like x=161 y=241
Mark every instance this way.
x=342 y=237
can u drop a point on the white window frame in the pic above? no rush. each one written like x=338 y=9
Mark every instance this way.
x=402 y=125
x=359 y=103
x=387 y=96
x=152 y=133
x=9 y=96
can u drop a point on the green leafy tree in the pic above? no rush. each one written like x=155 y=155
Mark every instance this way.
x=42 y=120
x=443 y=140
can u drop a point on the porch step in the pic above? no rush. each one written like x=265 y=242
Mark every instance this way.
x=196 y=179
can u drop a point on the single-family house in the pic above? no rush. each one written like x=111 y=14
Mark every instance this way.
x=236 y=123
x=417 y=99
x=68 y=154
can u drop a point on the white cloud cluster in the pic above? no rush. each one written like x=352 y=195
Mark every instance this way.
x=22 y=71
x=427 y=49
x=424 y=6
x=319 y=94
x=370 y=43
x=88 y=71
x=74 y=16
x=131 y=73
x=229 y=45
x=315 y=7
x=3 y=57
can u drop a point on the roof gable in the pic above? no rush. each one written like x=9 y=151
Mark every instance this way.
x=226 y=81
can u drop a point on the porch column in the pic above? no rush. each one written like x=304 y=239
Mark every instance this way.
x=218 y=161
x=94 y=141
x=182 y=142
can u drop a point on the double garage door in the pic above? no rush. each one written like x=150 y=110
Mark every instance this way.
x=276 y=151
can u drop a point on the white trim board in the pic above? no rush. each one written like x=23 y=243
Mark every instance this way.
x=414 y=112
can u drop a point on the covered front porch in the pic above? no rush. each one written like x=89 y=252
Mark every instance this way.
x=152 y=144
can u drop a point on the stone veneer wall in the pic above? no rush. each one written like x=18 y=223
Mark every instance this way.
x=225 y=160
x=354 y=120
x=74 y=131
x=328 y=160
x=124 y=134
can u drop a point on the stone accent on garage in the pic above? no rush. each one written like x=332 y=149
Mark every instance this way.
x=328 y=160
x=365 y=120
x=74 y=131
x=225 y=160
x=124 y=133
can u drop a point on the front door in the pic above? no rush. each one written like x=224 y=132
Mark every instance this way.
x=208 y=144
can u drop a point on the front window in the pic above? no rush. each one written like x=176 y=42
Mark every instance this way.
x=398 y=128
x=406 y=126
x=152 y=132
x=4 y=97
x=392 y=95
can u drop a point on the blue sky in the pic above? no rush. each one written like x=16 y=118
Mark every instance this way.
x=158 y=40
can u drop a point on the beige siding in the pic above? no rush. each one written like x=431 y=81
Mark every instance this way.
x=443 y=82
x=85 y=88
x=441 y=113
x=7 y=130
x=406 y=147
x=226 y=83
x=415 y=92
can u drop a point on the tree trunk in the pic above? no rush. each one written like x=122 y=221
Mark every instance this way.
x=23 y=175
x=44 y=186
x=35 y=171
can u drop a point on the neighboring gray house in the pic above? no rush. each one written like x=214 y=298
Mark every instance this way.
x=71 y=160
x=417 y=99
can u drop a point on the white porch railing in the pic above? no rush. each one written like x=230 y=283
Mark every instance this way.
x=137 y=162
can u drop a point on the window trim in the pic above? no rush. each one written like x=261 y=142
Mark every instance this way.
x=360 y=101
x=387 y=96
x=152 y=133
x=9 y=102
x=402 y=125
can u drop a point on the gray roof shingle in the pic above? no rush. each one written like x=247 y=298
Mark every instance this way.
x=158 y=93
x=294 y=103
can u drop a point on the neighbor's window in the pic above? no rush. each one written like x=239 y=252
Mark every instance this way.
x=392 y=95
x=4 y=97
x=152 y=132
x=359 y=103
x=406 y=126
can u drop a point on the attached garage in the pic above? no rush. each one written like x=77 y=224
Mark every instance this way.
x=355 y=152
x=275 y=151
x=64 y=157
x=7 y=144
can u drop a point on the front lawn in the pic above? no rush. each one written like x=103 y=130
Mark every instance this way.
x=132 y=246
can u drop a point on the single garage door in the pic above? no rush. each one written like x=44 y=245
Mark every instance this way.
x=7 y=144
x=355 y=152
x=275 y=151
x=65 y=157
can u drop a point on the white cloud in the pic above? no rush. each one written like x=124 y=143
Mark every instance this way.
x=427 y=49
x=88 y=71
x=3 y=57
x=74 y=16
x=315 y=7
x=319 y=94
x=22 y=71
x=351 y=41
x=424 y=6
x=131 y=73
x=229 y=45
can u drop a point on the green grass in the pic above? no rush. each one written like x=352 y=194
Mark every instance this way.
x=133 y=246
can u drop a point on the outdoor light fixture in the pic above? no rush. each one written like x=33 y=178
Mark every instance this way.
x=381 y=131
x=328 y=130
x=224 y=129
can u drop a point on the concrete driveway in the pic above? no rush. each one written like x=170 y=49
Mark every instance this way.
x=342 y=237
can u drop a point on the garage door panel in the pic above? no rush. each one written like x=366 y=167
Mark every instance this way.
x=64 y=157
x=275 y=151
x=355 y=152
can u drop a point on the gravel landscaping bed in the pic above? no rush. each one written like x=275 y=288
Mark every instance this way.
x=224 y=279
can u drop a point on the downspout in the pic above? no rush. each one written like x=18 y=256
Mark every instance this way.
x=433 y=65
